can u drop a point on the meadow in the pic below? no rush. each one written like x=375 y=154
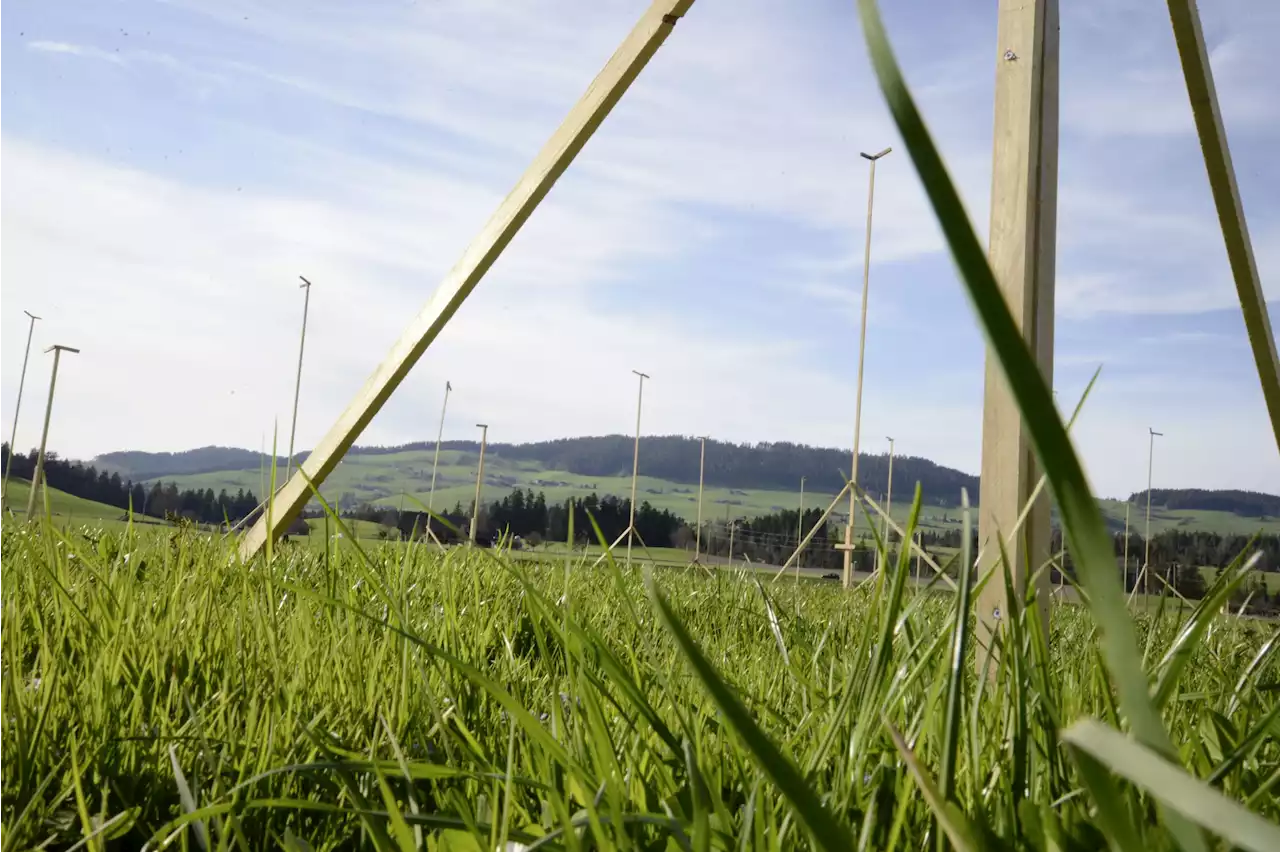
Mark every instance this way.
x=393 y=697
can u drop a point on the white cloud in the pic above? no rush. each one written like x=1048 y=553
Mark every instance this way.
x=414 y=122
x=75 y=50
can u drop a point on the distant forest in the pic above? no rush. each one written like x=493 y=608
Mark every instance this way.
x=1249 y=504
x=157 y=500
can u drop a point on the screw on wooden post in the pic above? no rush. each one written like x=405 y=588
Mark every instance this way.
x=591 y=109
x=1023 y=233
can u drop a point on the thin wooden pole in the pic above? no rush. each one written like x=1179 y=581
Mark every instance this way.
x=36 y=478
x=435 y=460
x=813 y=530
x=1023 y=229
x=847 y=579
x=601 y=96
x=13 y=435
x=1146 y=545
x=305 y=286
x=475 y=509
x=635 y=466
x=697 y=533
x=800 y=527
x=1125 y=575
x=888 y=500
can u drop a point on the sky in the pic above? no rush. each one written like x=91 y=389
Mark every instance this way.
x=169 y=169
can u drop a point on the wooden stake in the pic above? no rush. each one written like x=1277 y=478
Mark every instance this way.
x=475 y=509
x=604 y=92
x=1226 y=197
x=1023 y=228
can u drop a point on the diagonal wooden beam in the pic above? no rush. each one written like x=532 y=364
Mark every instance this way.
x=1226 y=197
x=604 y=92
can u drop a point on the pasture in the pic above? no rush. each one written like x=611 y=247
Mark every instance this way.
x=395 y=698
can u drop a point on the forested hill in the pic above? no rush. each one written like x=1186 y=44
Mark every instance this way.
x=140 y=466
x=773 y=466
x=1250 y=504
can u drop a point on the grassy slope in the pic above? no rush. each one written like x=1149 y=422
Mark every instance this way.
x=64 y=506
x=384 y=478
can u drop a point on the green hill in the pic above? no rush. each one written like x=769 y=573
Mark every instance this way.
x=64 y=507
x=402 y=477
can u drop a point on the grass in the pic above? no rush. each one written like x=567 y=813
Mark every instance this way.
x=363 y=701
x=62 y=503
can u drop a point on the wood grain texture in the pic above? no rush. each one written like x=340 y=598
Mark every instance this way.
x=1226 y=197
x=604 y=92
x=1023 y=226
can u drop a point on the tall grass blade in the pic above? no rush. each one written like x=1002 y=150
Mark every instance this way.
x=1170 y=784
x=827 y=831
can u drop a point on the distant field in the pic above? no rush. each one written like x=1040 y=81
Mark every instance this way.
x=66 y=509
x=398 y=479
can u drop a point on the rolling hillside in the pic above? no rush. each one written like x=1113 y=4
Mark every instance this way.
x=67 y=508
x=402 y=477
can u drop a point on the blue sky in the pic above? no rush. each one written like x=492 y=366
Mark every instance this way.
x=169 y=170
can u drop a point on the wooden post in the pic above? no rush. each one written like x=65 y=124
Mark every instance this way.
x=697 y=532
x=57 y=350
x=1226 y=197
x=601 y=96
x=1023 y=228
x=475 y=508
x=849 y=544
x=800 y=527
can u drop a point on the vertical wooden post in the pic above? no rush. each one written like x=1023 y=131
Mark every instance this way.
x=1023 y=228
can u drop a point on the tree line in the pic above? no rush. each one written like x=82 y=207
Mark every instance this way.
x=528 y=515
x=1250 y=504
x=159 y=500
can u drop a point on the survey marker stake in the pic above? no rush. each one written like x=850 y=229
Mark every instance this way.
x=587 y=114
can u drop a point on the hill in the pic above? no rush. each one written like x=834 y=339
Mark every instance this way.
x=742 y=481
x=141 y=466
x=66 y=507
x=1250 y=504
x=763 y=466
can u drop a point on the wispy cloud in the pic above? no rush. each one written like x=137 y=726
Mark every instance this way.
x=76 y=50
x=711 y=233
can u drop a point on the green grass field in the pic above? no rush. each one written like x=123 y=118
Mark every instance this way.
x=67 y=510
x=156 y=691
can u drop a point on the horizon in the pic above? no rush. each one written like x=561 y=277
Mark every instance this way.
x=172 y=170
x=494 y=447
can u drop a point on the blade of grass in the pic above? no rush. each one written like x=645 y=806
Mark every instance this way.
x=1170 y=784
x=1078 y=509
x=827 y=831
